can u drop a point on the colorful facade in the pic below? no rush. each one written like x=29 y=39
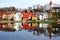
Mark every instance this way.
x=18 y=16
x=27 y=15
x=7 y=15
x=34 y=17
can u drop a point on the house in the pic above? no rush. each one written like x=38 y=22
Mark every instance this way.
x=10 y=15
x=7 y=15
x=3 y=16
x=17 y=17
x=26 y=15
x=39 y=15
x=34 y=17
x=42 y=15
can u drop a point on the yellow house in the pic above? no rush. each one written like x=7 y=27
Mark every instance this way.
x=34 y=17
x=4 y=16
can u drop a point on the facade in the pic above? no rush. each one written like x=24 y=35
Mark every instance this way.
x=10 y=15
x=7 y=15
x=27 y=15
x=42 y=15
x=4 y=16
x=34 y=17
x=18 y=16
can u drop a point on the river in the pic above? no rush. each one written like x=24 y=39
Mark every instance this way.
x=30 y=31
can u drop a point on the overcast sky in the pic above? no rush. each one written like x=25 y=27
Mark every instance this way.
x=25 y=3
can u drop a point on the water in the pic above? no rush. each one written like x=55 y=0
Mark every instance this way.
x=30 y=31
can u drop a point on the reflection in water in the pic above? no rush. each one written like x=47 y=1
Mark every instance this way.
x=44 y=25
x=7 y=27
x=17 y=26
x=27 y=26
x=49 y=30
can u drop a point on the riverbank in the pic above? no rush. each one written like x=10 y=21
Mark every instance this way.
x=36 y=21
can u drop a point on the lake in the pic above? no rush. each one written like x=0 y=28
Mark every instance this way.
x=30 y=31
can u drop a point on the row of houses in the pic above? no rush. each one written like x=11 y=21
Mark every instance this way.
x=23 y=15
x=39 y=13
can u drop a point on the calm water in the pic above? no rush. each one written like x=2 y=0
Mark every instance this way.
x=30 y=31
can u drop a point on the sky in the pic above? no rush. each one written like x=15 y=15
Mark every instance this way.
x=25 y=3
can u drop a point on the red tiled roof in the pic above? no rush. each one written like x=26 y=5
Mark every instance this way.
x=2 y=13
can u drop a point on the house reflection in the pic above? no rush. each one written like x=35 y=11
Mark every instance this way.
x=49 y=30
x=43 y=25
x=7 y=27
x=27 y=26
x=34 y=25
x=17 y=26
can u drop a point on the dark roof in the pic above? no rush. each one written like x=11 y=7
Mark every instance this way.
x=37 y=10
x=56 y=7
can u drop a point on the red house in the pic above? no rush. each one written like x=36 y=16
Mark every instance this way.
x=3 y=15
x=27 y=15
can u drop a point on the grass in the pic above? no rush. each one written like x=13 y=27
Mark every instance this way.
x=31 y=21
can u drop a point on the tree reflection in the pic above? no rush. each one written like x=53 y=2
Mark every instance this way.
x=37 y=31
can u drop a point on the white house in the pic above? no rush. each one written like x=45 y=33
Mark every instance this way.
x=45 y=15
x=17 y=16
x=42 y=15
